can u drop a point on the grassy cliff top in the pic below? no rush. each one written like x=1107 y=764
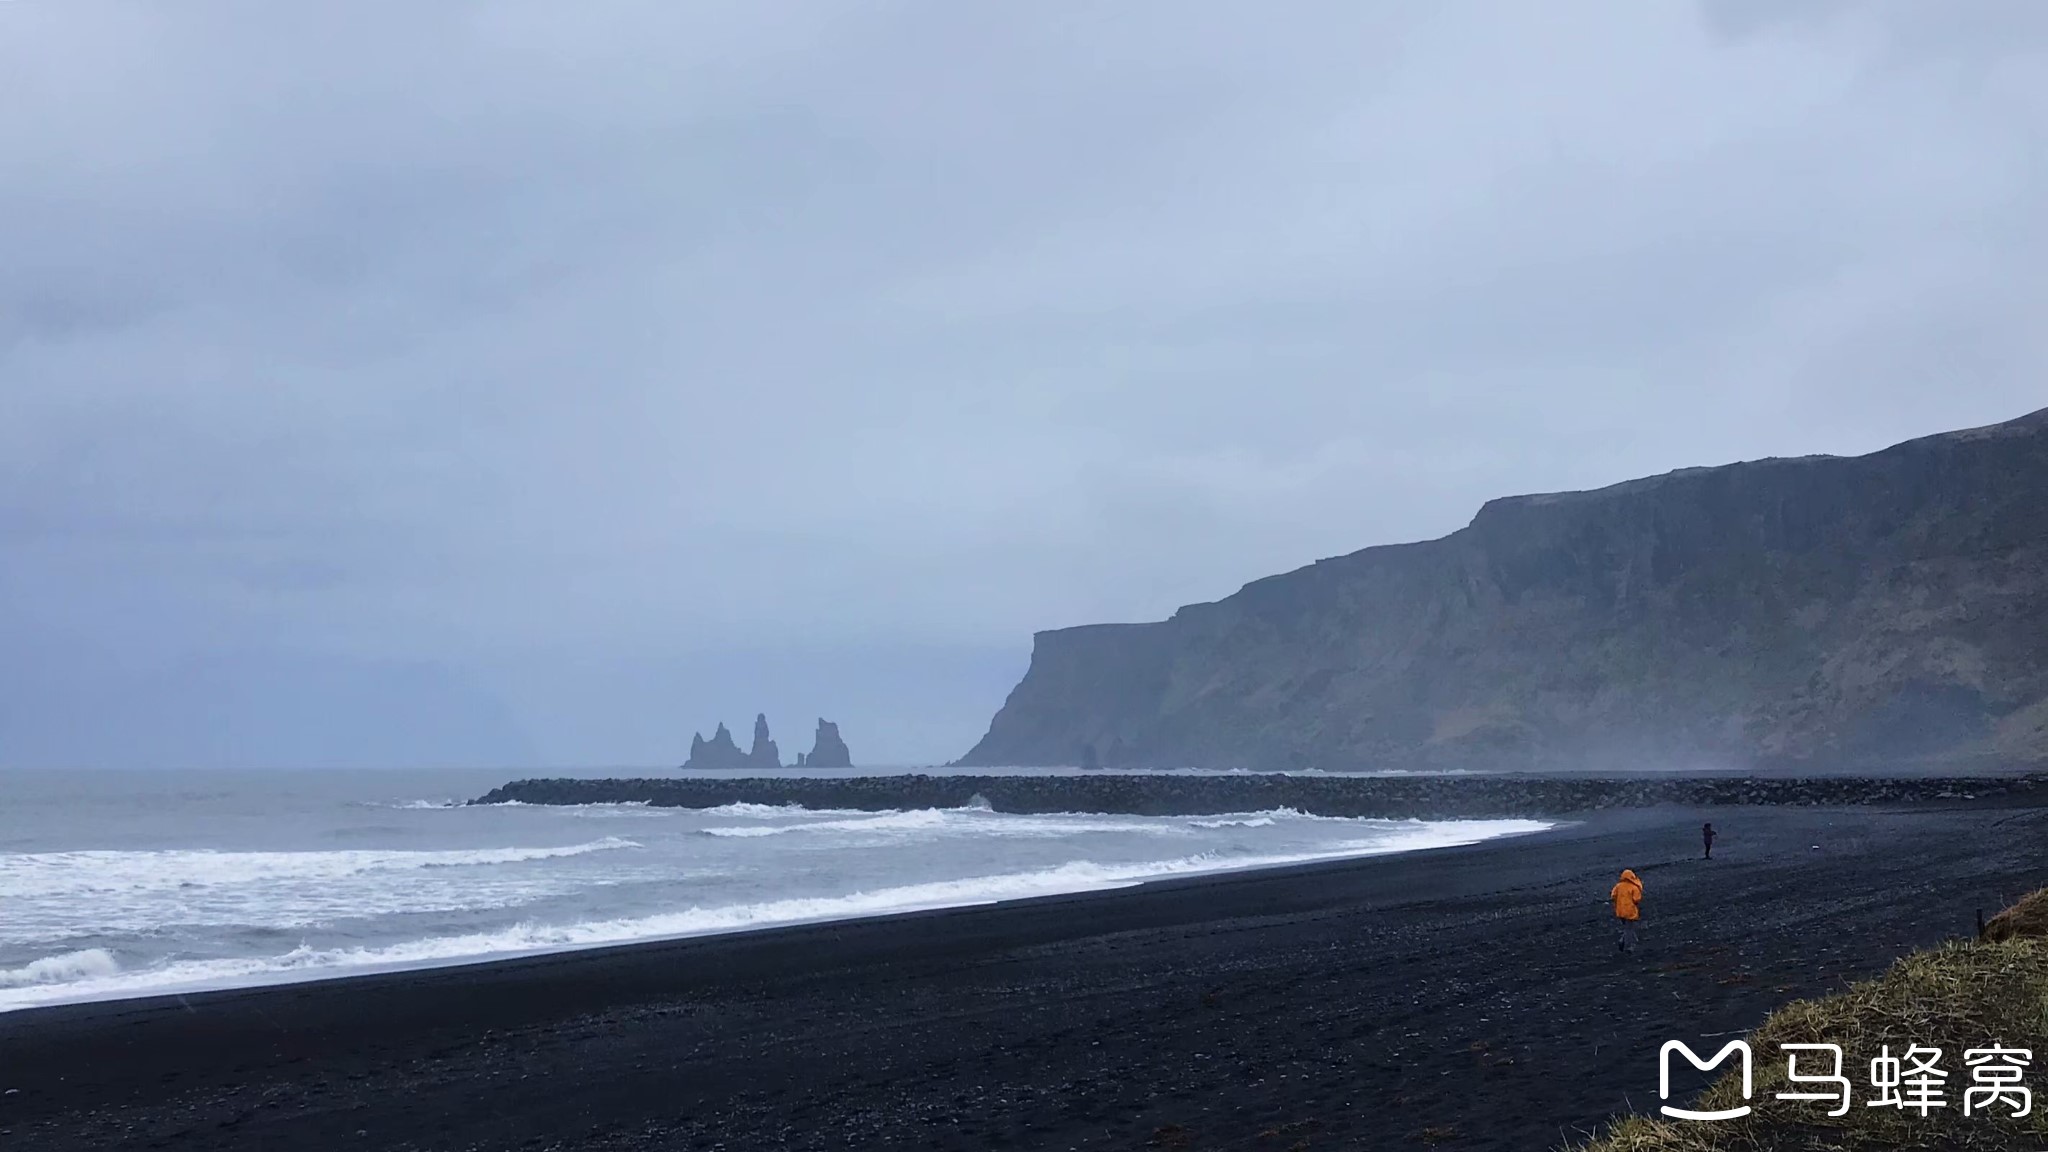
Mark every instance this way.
x=1956 y=997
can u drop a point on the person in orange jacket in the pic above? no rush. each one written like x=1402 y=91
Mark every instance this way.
x=1627 y=895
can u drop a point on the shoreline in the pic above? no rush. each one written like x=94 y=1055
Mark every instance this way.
x=547 y=963
x=1354 y=1003
x=183 y=995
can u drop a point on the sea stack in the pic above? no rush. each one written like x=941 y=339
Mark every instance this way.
x=720 y=752
x=827 y=750
x=717 y=752
x=765 y=753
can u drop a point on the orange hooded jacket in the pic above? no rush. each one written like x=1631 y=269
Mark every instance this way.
x=1627 y=895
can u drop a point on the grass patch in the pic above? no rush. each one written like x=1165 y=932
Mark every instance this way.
x=1955 y=997
x=2029 y=917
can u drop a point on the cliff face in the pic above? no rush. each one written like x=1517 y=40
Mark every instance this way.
x=1882 y=609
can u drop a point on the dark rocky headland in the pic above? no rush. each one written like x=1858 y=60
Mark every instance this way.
x=1420 y=797
x=1881 y=610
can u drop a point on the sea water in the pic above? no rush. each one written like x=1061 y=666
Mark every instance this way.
x=118 y=884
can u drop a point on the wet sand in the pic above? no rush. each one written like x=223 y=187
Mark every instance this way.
x=1457 y=998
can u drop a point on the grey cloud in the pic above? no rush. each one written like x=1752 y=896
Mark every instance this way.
x=1912 y=33
x=593 y=367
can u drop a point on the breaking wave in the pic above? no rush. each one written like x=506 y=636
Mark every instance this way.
x=70 y=967
x=93 y=974
x=979 y=822
x=98 y=873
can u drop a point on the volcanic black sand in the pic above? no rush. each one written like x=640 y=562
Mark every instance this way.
x=1459 y=998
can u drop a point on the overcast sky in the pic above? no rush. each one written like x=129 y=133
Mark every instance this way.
x=531 y=383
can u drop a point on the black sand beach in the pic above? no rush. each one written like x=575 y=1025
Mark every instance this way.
x=1458 y=998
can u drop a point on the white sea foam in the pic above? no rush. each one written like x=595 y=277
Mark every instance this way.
x=68 y=968
x=97 y=873
x=955 y=822
x=1270 y=817
x=630 y=810
x=92 y=974
x=745 y=810
x=105 y=894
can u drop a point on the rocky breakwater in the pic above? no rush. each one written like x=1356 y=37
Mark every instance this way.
x=1419 y=797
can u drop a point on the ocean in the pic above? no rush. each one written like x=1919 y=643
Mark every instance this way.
x=121 y=884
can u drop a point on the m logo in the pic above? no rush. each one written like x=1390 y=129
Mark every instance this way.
x=1664 y=1078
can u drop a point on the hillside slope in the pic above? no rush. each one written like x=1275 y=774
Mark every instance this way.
x=1880 y=609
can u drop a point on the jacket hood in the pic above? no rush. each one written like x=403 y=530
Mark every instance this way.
x=1629 y=875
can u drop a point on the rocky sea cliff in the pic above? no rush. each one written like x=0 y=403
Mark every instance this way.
x=1888 y=610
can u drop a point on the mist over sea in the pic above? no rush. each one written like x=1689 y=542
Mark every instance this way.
x=116 y=884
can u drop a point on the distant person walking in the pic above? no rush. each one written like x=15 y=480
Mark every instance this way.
x=1707 y=838
x=1627 y=895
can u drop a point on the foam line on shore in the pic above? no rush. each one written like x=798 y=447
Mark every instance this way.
x=67 y=979
x=98 y=873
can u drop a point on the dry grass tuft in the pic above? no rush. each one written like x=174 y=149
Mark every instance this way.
x=2028 y=918
x=1956 y=997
